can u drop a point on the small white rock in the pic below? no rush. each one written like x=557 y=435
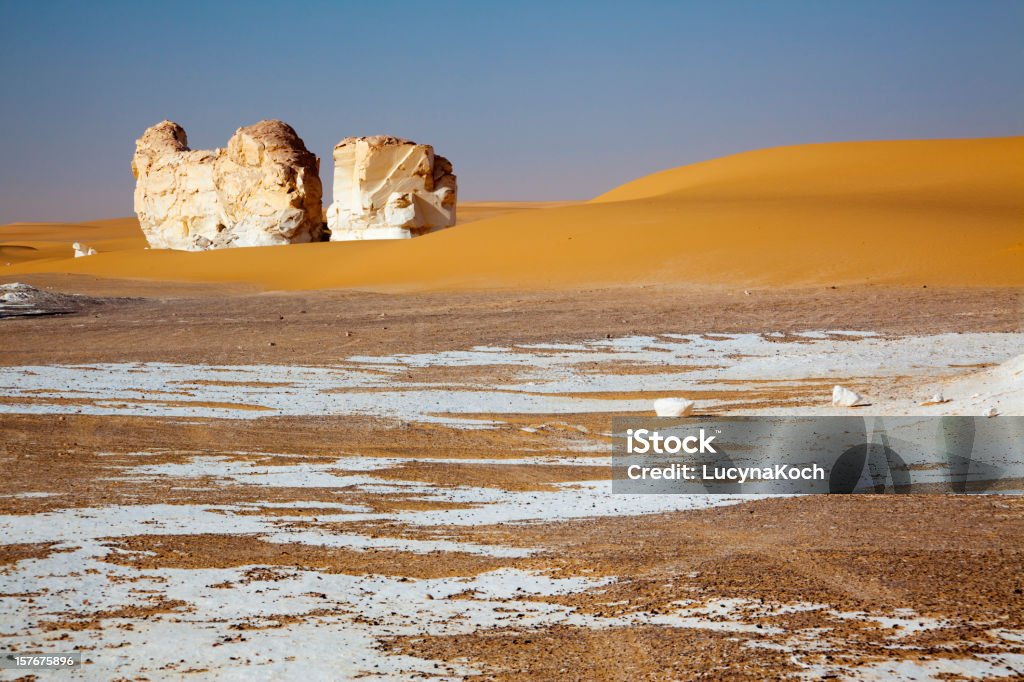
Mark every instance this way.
x=672 y=407
x=844 y=397
x=936 y=399
x=83 y=250
x=992 y=412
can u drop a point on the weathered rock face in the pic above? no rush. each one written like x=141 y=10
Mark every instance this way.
x=389 y=188
x=263 y=189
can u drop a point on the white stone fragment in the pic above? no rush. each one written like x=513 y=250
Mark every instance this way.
x=936 y=399
x=262 y=189
x=389 y=188
x=16 y=292
x=844 y=397
x=992 y=412
x=81 y=250
x=672 y=407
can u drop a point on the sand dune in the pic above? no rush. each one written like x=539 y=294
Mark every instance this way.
x=26 y=242
x=933 y=212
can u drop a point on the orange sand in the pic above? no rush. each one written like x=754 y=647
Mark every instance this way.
x=30 y=242
x=932 y=212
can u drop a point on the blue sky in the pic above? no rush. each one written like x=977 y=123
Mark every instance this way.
x=530 y=100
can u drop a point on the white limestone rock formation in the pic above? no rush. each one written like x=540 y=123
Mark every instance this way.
x=262 y=189
x=389 y=188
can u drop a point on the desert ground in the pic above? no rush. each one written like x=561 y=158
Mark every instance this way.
x=390 y=460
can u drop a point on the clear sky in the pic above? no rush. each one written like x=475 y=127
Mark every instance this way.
x=530 y=100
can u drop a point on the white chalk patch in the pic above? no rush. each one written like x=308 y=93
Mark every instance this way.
x=554 y=378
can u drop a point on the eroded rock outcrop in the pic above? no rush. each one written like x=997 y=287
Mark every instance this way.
x=389 y=188
x=262 y=189
x=19 y=300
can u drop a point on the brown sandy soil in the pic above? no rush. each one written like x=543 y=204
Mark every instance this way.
x=221 y=551
x=956 y=562
x=93 y=620
x=128 y=401
x=858 y=554
x=328 y=327
x=75 y=457
x=618 y=653
x=503 y=476
x=12 y=554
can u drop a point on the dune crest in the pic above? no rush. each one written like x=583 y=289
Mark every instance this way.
x=977 y=172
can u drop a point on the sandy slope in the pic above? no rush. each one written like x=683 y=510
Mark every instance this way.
x=25 y=242
x=935 y=212
x=28 y=242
